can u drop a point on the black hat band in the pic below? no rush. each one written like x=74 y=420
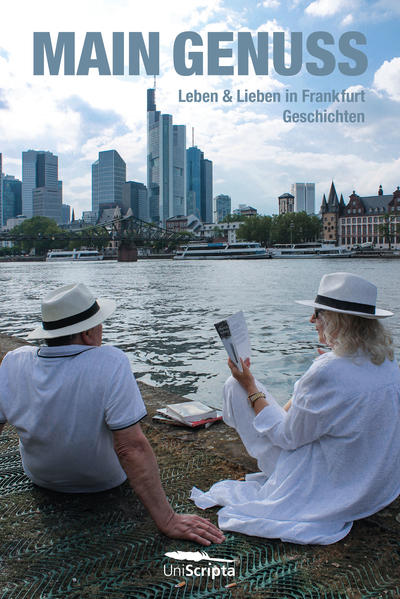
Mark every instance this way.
x=70 y=320
x=343 y=305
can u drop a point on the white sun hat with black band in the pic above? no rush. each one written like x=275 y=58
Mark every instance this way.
x=349 y=294
x=69 y=310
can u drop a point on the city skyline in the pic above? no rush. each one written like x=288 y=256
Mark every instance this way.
x=255 y=153
x=133 y=193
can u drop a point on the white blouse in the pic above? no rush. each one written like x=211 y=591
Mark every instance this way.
x=336 y=455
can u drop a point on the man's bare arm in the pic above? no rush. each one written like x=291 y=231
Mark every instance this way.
x=139 y=462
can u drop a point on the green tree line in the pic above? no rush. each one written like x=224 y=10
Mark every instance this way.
x=296 y=227
x=43 y=234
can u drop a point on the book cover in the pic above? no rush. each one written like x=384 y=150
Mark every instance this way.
x=275 y=94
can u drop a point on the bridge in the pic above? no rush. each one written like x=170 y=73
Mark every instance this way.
x=127 y=233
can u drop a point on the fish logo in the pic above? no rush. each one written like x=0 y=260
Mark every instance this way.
x=196 y=556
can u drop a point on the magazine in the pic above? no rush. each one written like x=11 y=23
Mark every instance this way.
x=235 y=337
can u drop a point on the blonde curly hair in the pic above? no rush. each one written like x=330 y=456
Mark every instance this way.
x=347 y=334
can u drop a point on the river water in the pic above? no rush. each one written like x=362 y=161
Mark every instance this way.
x=167 y=309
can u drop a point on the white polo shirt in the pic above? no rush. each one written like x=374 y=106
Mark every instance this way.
x=64 y=402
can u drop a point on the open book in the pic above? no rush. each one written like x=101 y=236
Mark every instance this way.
x=235 y=337
x=188 y=413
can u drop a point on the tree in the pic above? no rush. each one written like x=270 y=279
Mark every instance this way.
x=256 y=228
x=93 y=237
x=295 y=227
x=389 y=229
x=39 y=233
x=283 y=228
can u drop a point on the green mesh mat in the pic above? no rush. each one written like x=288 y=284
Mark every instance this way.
x=56 y=546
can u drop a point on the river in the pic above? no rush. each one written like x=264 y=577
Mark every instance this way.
x=167 y=309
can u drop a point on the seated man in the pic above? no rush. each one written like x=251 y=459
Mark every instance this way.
x=76 y=407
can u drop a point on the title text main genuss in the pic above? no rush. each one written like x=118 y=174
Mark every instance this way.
x=193 y=55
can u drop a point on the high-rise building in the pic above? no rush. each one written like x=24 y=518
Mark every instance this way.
x=199 y=184
x=28 y=181
x=193 y=181
x=46 y=202
x=11 y=198
x=65 y=214
x=134 y=196
x=304 y=197
x=223 y=207
x=166 y=164
x=108 y=178
x=206 y=190
x=40 y=189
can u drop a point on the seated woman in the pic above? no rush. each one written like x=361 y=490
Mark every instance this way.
x=333 y=455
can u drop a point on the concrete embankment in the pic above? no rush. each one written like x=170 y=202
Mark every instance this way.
x=104 y=545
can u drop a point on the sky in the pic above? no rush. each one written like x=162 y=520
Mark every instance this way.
x=256 y=155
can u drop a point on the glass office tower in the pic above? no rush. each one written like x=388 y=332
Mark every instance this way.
x=108 y=178
x=166 y=164
x=40 y=190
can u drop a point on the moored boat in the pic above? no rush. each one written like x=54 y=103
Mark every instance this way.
x=310 y=250
x=241 y=250
x=83 y=255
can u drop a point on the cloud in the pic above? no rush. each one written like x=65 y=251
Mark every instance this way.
x=366 y=10
x=348 y=20
x=326 y=8
x=386 y=8
x=270 y=3
x=387 y=78
x=92 y=118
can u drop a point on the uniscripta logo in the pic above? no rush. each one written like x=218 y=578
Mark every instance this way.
x=213 y=570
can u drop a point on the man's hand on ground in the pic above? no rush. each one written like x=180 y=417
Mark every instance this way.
x=192 y=528
x=139 y=462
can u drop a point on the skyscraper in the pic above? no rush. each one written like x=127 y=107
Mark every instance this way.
x=65 y=214
x=40 y=190
x=198 y=185
x=134 y=196
x=206 y=191
x=166 y=164
x=223 y=207
x=108 y=178
x=304 y=194
x=11 y=198
x=193 y=181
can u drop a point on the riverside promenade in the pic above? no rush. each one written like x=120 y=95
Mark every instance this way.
x=56 y=546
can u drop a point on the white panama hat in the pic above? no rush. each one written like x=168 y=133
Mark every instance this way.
x=71 y=309
x=349 y=294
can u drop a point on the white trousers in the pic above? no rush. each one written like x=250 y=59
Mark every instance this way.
x=238 y=414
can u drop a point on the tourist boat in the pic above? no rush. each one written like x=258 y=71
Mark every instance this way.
x=241 y=250
x=310 y=250
x=74 y=255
